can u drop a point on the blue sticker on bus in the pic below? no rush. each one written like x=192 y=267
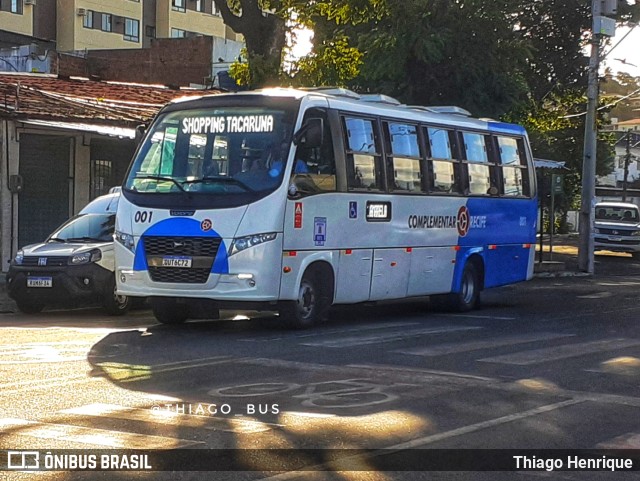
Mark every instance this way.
x=319 y=230
x=353 y=210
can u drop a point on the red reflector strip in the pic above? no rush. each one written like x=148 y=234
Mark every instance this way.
x=290 y=254
x=493 y=247
x=526 y=246
x=348 y=251
x=409 y=249
x=393 y=264
x=456 y=248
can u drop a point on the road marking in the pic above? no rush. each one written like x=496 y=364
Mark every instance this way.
x=369 y=327
x=557 y=353
x=123 y=372
x=474 y=316
x=386 y=336
x=626 y=441
x=168 y=417
x=420 y=442
x=94 y=436
x=455 y=348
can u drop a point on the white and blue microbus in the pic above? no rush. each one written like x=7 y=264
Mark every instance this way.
x=295 y=200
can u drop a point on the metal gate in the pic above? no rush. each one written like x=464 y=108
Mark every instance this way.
x=44 y=200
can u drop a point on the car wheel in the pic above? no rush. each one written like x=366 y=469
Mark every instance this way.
x=29 y=307
x=169 y=311
x=114 y=304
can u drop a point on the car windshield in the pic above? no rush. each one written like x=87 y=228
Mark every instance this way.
x=617 y=213
x=221 y=151
x=86 y=228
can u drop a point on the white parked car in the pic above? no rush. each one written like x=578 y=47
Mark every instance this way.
x=74 y=265
x=617 y=228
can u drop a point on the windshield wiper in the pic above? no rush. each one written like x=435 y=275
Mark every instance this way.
x=85 y=239
x=57 y=239
x=160 y=177
x=222 y=179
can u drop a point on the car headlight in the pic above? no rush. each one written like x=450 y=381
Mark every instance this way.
x=242 y=243
x=125 y=239
x=86 y=257
x=19 y=258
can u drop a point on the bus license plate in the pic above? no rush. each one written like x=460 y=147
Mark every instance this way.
x=39 y=282
x=176 y=262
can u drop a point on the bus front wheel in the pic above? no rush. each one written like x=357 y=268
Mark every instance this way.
x=169 y=311
x=306 y=310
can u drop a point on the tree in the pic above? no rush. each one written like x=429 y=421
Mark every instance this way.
x=265 y=25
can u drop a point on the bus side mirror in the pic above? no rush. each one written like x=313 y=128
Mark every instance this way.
x=311 y=134
x=140 y=131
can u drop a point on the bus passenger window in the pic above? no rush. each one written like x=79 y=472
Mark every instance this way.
x=402 y=145
x=514 y=166
x=445 y=167
x=475 y=154
x=362 y=154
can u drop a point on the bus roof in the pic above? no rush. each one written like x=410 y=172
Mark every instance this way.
x=375 y=104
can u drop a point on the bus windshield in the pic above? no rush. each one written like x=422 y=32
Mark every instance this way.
x=221 y=151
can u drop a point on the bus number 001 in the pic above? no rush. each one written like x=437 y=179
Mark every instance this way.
x=143 y=216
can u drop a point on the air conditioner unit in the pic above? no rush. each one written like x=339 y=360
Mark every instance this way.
x=29 y=2
x=81 y=12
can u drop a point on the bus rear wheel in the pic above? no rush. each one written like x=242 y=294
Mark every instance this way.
x=467 y=298
x=306 y=310
x=169 y=311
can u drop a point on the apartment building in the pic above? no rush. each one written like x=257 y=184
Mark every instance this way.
x=78 y=25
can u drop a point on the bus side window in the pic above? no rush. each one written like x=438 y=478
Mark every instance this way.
x=314 y=169
x=403 y=157
x=363 y=156
x=477 y=161
x=445 y=167
x=513 y=161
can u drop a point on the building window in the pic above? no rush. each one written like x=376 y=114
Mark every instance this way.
x=150 y=31
x=214 y=9
x=200 y=6
x=179 y=5
x=131 y=30
x=16 y=6
x=106 y=22
x=177 y=33
x=87 y=20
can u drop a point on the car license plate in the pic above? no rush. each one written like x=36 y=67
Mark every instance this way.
x=615 y=238
x=39 y=282
x=176 y=262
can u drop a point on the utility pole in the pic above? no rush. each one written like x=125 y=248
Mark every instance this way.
x=585 y=250
x=627 y=159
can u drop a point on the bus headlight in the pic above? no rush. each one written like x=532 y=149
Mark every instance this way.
x=124 y=239
x=242 y=243
x=636 y=233
x=86 y=257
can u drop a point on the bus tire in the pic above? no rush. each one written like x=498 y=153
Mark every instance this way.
x=169 y=311
x=113 y=304
x=469 y=296
x=305 y=311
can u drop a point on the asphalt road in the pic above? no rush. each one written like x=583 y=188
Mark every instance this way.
x=553 y=363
